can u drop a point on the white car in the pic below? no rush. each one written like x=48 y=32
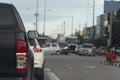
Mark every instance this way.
x=38 y=59
x=51 y=48
x=86 y=49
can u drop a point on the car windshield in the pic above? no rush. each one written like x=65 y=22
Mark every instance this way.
x=62 y=45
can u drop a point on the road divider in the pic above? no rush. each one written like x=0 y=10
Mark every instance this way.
x=112 y=63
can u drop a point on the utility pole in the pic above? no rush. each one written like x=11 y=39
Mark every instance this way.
x=57 y=29
x=44 y=17
x=61 y=29
x=37 y=14
x=110 y=27
x=64 y=27
x=72 y=26
x=79 y=26
x=87 y=11
x=94 y=31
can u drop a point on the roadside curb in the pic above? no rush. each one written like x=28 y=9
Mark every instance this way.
x=115 y=64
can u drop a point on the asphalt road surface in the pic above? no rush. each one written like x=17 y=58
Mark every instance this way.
x=74 y=67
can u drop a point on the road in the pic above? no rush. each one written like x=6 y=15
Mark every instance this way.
x=74 y=67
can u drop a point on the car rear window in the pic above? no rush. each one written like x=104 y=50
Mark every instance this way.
x=32 y=42
x=7 y=18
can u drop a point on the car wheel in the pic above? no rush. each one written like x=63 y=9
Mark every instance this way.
x=66 y=53
x=57 y=52
x=94 y=55
x=79 y=54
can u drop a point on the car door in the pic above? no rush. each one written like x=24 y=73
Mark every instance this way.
x=54 y=48
x=47 y=49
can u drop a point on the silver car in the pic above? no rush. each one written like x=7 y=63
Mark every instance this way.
x=51 y=48
x=86 y=49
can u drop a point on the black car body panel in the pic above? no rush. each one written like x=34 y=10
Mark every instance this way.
x=11 y=29
x=72 y=48
x=64 y=48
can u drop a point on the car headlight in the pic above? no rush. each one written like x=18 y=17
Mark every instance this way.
x=65 y=47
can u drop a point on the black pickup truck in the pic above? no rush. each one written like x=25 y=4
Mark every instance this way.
x=16 y=59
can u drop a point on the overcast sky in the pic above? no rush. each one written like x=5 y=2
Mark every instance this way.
x=61 y=10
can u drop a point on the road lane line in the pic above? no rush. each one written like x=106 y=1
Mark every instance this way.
x=90 y=67
x=69 y=67
x=51 y=74
x=47 y=69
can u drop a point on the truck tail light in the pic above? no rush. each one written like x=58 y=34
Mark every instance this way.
x=37 y=50
x=21 y=56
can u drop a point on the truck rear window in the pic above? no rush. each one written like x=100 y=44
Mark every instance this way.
x=7 y=18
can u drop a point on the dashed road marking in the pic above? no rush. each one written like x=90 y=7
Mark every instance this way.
x=69 y=67
x=47 y=69
x=90 y=67
x=51 y=74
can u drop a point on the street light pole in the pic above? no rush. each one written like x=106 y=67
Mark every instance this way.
x=94 y=31
x=44 y=17
x=72 y=27
x=37 y=14
x=64 y=23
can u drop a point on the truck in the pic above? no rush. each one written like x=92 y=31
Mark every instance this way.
x=16 y=58
x=72 y=44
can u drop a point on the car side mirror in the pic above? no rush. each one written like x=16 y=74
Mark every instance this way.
x=32 y=34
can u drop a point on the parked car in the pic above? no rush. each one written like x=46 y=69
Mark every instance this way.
x=79 y=46
x=118 y=51
x=64 y=48
x=51 y=48
x=72 y=48
x=16 y=58
x=86 y=49
x=101 y=51
x=115 y=50
x=38 y=55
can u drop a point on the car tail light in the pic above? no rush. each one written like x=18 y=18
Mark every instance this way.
x=21 y=56
x=35 y=49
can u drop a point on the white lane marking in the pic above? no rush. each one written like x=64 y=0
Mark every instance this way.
x=69 y=67
x=47 y=69
x=51 y=75
x=91 y=67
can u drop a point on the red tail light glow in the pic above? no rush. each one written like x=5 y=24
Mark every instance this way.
x=21 y=56
x=35 y=49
